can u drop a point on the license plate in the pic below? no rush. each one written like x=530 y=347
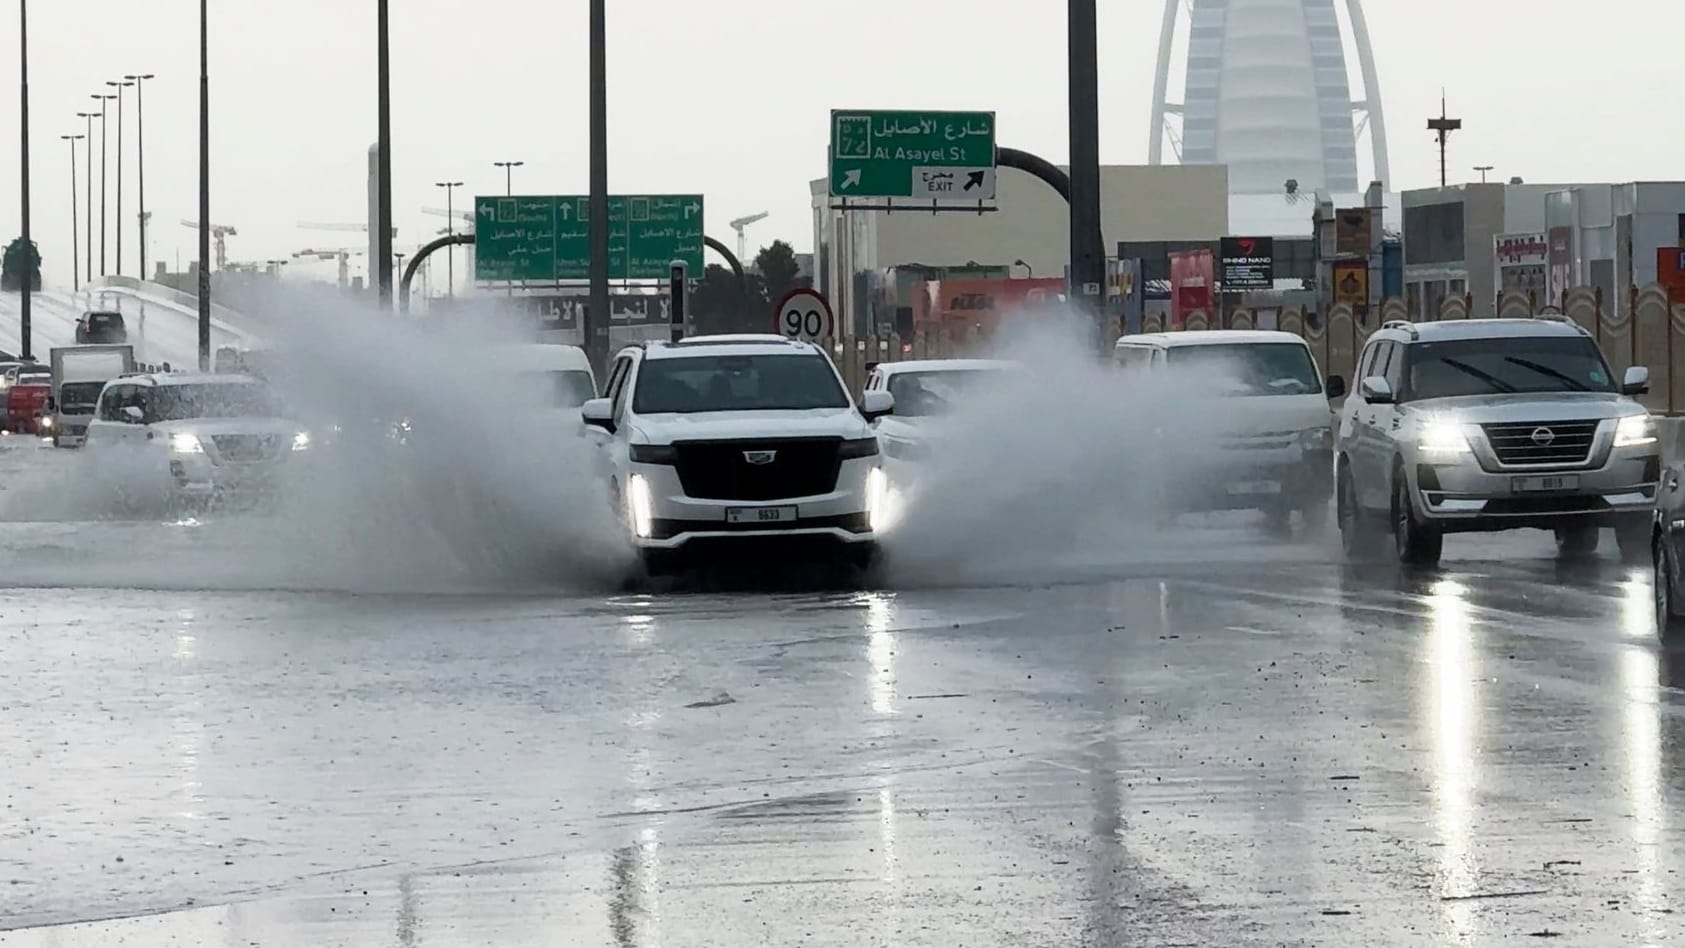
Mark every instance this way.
x=1253 y=488
x=760 y=514
x=1551 y=482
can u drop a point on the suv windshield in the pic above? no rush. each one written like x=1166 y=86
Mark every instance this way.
x=559 y=388
x=1505 y=365
x=1252 y=368
x=212 y=400
x=737 y=383
x=79 y=398
x=935 y=392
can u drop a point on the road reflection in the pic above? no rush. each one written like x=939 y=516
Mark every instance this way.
x=1640 y=676
x=1451 y=714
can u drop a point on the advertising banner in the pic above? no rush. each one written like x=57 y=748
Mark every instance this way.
x=1352 y=234
x=1192 y=273
x=1521 y=261
x=980 y=304
x=1248 y=263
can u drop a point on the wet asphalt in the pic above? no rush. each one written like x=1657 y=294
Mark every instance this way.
x=1259 y=749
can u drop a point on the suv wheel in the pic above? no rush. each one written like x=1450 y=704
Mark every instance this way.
x=1633 y=537
x=1417 y=543
x=1358 y=536
x=1669 y=625
x=1577 y=540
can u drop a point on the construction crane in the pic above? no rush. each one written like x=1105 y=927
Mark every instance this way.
x=342 y=254
x=220 y=233
x=742 y=224
x=441 y=212
x=346 y=228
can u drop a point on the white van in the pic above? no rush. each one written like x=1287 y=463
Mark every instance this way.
x=560 y=376
x=1277 y=454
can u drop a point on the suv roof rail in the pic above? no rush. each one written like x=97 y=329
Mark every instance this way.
x=1402 y=324
x=1562 y=318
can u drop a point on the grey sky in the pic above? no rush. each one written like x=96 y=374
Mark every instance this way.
x=731 y=99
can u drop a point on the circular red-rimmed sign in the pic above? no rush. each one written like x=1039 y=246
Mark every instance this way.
x=803 y=314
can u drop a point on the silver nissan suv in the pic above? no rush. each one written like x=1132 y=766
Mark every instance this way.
x=1479 y=425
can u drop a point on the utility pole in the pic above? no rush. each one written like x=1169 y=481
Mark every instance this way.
x=1483 y=169
x=140 y=156
x=90 y=116
x=28 y=286
x=103 y=190
x=120 y=86
x=594 y=323
x=1443 y=127
x=450 y=225
x=75 y=237
x=383 y=97
x=1088 y=251
x=204 y=186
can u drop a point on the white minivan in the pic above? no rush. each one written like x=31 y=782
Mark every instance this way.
x=1275 y=453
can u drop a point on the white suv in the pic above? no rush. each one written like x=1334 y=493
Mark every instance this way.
x=1491 y=424
x=718 y=440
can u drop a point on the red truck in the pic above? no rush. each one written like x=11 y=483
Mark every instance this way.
x=26 y=401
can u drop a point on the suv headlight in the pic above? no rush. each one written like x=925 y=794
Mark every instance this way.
x=301 y=441
x=183 y=442
x=1635 y=430
x=1443 y=437
x=858 y=448
x=653 y=454
x=1317 y=439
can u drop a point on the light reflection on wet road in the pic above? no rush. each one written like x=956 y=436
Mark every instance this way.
x=1282 y=753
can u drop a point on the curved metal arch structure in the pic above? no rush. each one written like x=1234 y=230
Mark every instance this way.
x=1370 y=106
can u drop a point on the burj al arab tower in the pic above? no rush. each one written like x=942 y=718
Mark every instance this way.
x=1267 y=91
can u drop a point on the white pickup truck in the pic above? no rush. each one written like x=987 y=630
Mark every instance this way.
x=79 y=373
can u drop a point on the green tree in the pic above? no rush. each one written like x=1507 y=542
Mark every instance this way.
x=720 y=305
x=779 y=270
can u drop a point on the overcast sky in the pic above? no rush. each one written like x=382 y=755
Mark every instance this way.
x=730 y=99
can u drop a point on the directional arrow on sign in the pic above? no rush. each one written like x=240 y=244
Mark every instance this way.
x=974 y=179
x=692 y=208
x=851 y=178
x=565 y=209
x=488 y=211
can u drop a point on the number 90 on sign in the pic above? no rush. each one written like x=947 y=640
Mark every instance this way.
x=804 y=314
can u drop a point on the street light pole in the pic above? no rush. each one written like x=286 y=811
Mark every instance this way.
x=75 y=237
x=28 y=285
x=90 y=116
x=594 y=322
x=1483 y=169
x=119 y=86
x=1088 y=251
x=140 y=157
x=103 y=151
x=508 y=175
x=204 y=186
x=450 y=248
x=383 y=96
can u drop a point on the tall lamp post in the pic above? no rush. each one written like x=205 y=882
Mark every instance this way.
x=450 y=249
x=28 y=285
x=103 y=150
x=119 y=86
x=90 y=116
x=75 y=227
x=508 y=175
x=140 y=157
x=383 y=118
x=204 y=186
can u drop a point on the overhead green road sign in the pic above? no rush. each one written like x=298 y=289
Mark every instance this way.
x=942 y=155
x=546 y=238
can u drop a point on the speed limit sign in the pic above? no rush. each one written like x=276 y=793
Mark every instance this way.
x=804 y=314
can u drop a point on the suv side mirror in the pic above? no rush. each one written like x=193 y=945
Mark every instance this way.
x=1376 y=390
x=598 y=412
x=1636 y=381
x=1336 y=387
x=875 y=404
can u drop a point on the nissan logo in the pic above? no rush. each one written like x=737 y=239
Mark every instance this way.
x=760 y=457
x=1543 y=437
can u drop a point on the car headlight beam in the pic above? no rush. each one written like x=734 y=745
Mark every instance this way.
x=301 y=441
x=1443 y=437
x=1635 y=430
x=183 y=442
x=877 y=499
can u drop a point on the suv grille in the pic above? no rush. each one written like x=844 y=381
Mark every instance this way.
x=1542 y=442
x=246 y=447
x=717 y=470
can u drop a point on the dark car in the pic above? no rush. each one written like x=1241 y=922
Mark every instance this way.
x=101 y=327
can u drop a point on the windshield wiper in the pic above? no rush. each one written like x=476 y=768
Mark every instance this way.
x=1568 y=380
x=1497 y=384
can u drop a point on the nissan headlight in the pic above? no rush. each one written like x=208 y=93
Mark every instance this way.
x=183 y=442
x=1443 y=438
x=638 y=505
x=1635 y=430
x=301 y=441
x=1320 y=438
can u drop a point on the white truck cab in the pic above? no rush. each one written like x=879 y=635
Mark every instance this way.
x=79 y=374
